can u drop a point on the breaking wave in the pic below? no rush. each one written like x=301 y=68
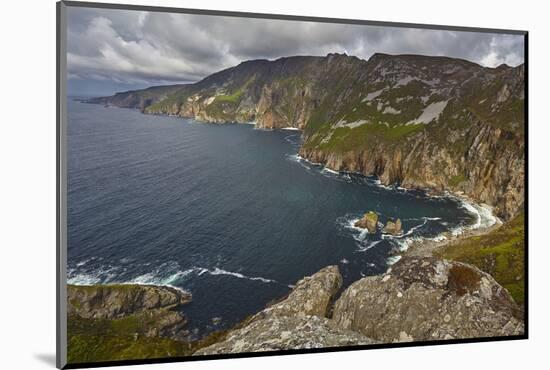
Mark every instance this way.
x=168 y=274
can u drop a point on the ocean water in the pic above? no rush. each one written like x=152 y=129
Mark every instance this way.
x=227 y=212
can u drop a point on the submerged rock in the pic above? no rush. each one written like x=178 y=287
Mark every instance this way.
x=394 y=228
x=369 y=221
x=428 y=299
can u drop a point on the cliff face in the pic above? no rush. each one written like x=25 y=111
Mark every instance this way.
x=418 y=121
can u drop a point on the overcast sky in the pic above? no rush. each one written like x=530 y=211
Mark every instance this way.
x=116 y=50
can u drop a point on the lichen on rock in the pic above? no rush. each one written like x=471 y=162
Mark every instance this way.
x=428 y=299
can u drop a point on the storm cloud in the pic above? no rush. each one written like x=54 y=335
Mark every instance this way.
x=110 y=50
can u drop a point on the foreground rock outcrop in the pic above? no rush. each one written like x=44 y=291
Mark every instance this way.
x=428 y=299
x=115 y=301
x=299 y=321
x=142 y=310
x=286 y=333
x=418 y=299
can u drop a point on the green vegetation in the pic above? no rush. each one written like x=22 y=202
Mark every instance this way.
x=345 y=139
x=93 y=340
x=231 y=98
x=371 y=216
x=457 y=179
x=97 y=348
x=499 y=253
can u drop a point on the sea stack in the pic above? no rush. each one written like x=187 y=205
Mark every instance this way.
x=369 y=222
x=393 y=228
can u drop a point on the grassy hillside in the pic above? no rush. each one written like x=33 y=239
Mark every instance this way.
x=500 y=253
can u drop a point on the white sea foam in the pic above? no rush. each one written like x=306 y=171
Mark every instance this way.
x=368 y=246
x=153 y=278
x=378 y=183
x=482 y=212
x=167 y=274
x=393 y=259
x=218 y=271
x=331 y=171
x=85 y=262
x=103 y=275
x=291 y=128
x=294 y=157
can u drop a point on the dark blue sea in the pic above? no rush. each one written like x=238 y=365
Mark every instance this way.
x=227 y=212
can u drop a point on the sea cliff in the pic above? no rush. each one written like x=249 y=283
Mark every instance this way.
x=420 y=122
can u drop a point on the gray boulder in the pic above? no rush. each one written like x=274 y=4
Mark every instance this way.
x=428 y=299
x=283 y=333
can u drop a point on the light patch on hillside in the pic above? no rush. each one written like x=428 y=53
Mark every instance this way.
x=405 y=80
x=343 y=123
x=391 y=110
x=372 y=95
x=431 y=112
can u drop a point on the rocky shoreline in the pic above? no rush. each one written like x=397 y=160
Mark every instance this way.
x=419 y=298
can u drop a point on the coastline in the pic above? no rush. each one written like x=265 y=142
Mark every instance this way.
x=409 y=246
x=421 y=246
x=486 y=223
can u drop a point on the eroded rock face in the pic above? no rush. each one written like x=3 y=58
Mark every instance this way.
x=369 y=221
x=286 y=332
x=115 y=301
x=428 y=299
